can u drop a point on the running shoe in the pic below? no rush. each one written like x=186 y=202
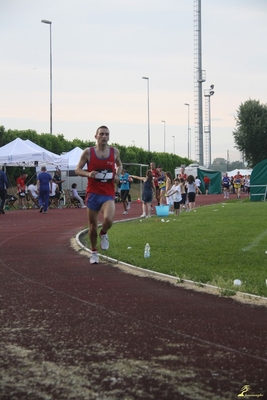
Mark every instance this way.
x=129 y=206
x=41 y=209
x=125 y=212
x=94 y=259
x=104 y=244
x=143 y=215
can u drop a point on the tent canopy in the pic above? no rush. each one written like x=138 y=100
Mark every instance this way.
x=258 y=182
x=28 y=154
x=243 y=172
x=73 y=157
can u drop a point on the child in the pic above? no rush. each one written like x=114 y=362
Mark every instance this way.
x=169 y=199
x=175 y=192
x=191 y=192
x=147 y=195
x=184 y=202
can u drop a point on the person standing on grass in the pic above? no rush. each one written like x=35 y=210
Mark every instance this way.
x=155 y=175
x=125 y=188
x=191 y=192
x=147 y=195
x=175 y=193
x=184 y=202
x=169 y=199
x=103 y=168
x=162 y=184
x=44 y=188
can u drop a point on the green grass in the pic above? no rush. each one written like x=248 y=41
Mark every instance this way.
x=214 y=245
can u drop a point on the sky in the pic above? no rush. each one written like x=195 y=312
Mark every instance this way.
x=101 y=49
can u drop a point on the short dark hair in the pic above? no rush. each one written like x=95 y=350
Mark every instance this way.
x=101 y=127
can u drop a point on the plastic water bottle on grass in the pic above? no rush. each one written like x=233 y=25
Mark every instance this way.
x=147 y=251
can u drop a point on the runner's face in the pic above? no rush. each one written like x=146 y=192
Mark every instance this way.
x=102 y=136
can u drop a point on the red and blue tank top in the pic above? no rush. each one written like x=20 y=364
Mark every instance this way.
x=103 y=182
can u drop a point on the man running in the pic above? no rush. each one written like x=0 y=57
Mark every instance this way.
x=103 y=167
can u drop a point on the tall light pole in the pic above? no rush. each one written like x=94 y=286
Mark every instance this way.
x=148 y=116
x=45 y=21
x=208 y=93
x=188 y=132
x=164 y=132
x=173 y=144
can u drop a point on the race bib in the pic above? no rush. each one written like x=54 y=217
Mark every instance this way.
x=104 y=176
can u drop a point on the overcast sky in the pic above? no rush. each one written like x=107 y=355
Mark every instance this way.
x=102 y=49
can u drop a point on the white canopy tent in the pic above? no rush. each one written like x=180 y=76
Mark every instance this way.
x=74 y=157
x=243 y=172
x=27 y=154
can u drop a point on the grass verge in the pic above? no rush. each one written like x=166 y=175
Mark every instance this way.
x=215 y=245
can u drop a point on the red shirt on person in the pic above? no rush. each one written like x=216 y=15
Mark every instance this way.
x=103 y=182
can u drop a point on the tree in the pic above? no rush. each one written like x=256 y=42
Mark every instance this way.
x=220 y=164
x=251 y=132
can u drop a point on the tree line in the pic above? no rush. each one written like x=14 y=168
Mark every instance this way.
x=250 y=138
x=58 y=145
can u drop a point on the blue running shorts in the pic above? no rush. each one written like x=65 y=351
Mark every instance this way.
x=95 y=201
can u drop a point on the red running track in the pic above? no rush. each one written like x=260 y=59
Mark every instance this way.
x=71 y=330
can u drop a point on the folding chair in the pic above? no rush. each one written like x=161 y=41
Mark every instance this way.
x=10 y=201
x=34 y=201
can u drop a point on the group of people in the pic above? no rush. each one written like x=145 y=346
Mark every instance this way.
x=236 y=184
x=48 y=190
x=177 y=193
x=42 y=192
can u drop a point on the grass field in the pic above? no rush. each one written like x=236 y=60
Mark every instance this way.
x=215 y=245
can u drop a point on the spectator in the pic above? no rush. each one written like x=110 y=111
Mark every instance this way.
x=3 y=188
x=21 y=188
x=58 y=180
x=125 y=188
x=175 y=193
x=162 y=184
x=55 y=193
x=182 y=174
x=147 y=195
x=183 y=188
x=44 y=188
x=206 y=184
x=32 y=192
x=191 y=192
x=247 y=185
x=75 y=194
x=155 y=176
x=169 y=199
x=32 y=188
x=198 y=183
